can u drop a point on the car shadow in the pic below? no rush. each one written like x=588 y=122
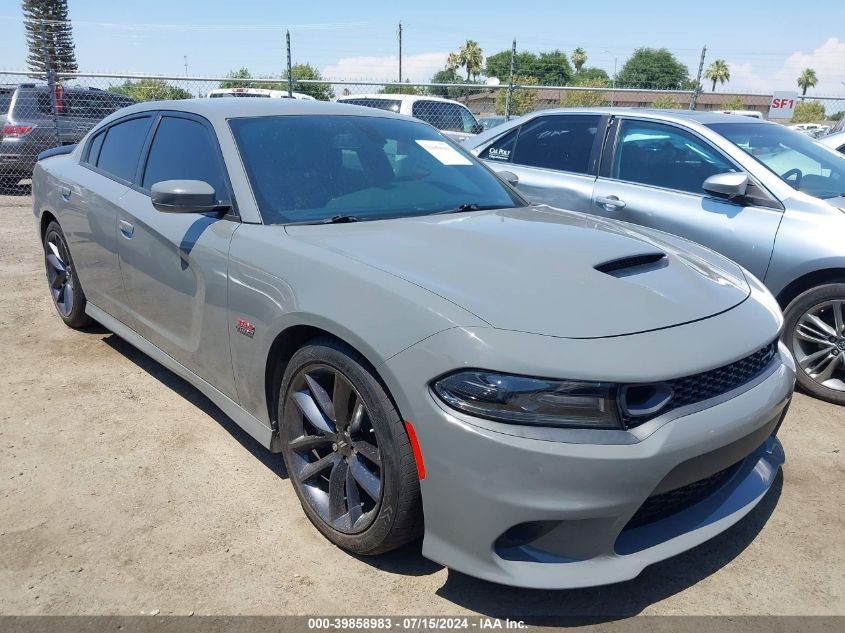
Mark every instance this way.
x=578 y=607
x=273 y=461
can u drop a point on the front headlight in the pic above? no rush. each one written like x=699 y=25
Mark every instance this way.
x=531 y=401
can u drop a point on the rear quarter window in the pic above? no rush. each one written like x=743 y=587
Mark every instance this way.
x=121 y=149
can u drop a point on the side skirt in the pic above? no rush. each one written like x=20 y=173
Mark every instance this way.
x=264 y=435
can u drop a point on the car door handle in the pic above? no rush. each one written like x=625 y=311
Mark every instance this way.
x=610 y=202
x=127 y=229
x=65 y=192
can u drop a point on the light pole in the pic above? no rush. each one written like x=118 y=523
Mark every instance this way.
x=615 y=59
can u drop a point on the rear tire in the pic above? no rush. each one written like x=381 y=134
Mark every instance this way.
x=814 y=332
x=65 y=289
x=346 y=450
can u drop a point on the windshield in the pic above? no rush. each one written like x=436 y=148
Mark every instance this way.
x=308 y=169
x=796 y=158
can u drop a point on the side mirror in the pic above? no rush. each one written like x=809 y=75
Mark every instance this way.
x=477 y=128
x=728 y=185
x=509 y=177
x=183 y=196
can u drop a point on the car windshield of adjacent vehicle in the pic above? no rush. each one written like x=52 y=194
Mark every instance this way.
x=314 y=169
x=796 y=158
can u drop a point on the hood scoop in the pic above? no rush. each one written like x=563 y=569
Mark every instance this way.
x=633 y=264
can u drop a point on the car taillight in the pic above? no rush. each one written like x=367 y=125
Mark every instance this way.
x=17 y=130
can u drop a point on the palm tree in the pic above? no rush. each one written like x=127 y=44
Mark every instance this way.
x=807 y=79
x=453 y=61
x=718 y=71
x=579 y=58
x=471 y=57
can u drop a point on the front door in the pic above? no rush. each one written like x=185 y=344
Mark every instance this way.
x=174 y=265
x=654 y=178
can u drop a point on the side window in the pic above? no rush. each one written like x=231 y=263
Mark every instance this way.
x=468 y=120
x=560 y=142
x=502 y=149
x=664 y=156
x=122 y=147
x=184 y=150
x=443 y=116
x=94 y=148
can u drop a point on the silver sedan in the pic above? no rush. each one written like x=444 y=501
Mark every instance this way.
x=552 y=399
x=768 y=197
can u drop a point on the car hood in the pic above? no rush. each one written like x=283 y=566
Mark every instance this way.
x=533 y=269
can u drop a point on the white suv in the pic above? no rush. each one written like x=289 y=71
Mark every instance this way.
x=450 y=117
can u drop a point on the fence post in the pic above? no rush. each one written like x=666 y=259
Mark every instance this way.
x=290 y=73
x=51 y=82
x=694 y=98
x=510 y=84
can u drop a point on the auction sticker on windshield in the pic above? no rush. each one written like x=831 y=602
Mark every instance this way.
x=444 y=152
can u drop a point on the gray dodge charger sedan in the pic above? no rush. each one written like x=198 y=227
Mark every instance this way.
x=553 y=399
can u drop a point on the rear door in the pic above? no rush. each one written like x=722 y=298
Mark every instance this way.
x=653 y=175
x=175 y=265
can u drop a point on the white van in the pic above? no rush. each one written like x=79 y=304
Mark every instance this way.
x=450 y=117
x=256 y=92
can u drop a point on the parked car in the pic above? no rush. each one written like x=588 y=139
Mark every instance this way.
x=265 y=93
x=565 y=399
x=813 y=130
x=453 y=119
x=754 y=114
x=835 y=141
x=27 y=126
x=765 y=196
x=489 y=122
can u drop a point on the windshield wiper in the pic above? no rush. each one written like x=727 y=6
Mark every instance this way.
x=340 y=219
x=471 y=206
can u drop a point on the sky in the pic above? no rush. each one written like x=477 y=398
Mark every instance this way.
x=766 y=50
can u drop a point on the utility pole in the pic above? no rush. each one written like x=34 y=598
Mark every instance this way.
x=51 y=82
x=290 y=73
x=185 y=57
x=694 y=97
x=400 y=57
x=510 y=84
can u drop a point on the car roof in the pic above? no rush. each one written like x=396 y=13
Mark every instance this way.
x=686 y=116
x=221 y=109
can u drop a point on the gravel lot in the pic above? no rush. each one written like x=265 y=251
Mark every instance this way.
x=124 y=490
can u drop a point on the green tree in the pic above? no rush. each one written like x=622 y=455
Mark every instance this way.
x=665 y=102
x=808 y=112
x=59 y=35
x=395 y=89
x=653 y=68
x=837 y=116
x=807 y=79
x=718 y=71
x=471 y=58
x=446 y=76
x=586 y=75
x=150 y=90
x=736 y=103
x=499 y=65
x=321 y=91
x=579 y=58
x=522 y=99
x=552 y=69
x=242 y=74
x=586 y=98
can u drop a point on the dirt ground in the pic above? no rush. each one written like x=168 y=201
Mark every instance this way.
x=124 y=490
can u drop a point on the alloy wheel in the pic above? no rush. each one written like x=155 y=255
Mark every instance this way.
x=59 y=273
x=818 y=342
x=334 y=448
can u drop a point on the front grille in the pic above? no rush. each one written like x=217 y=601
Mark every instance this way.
x=712 y=383
x=666 y=504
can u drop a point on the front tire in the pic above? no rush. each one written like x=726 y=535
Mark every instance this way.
x=814 y=332
x=65 y=289
x=346 y=450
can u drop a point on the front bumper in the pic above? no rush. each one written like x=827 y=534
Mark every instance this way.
x=553 y=514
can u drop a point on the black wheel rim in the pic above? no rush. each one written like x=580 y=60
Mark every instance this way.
x=334 y=450
x=818 y=342
x=59 y=273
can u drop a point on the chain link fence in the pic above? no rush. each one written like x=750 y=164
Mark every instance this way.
x=38 y=113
